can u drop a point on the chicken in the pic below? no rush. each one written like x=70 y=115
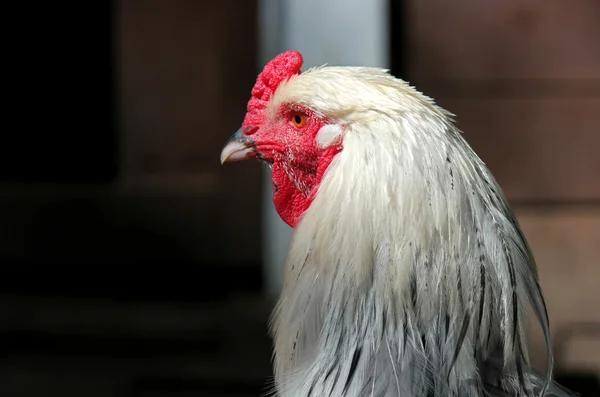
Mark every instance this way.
x=407 y=274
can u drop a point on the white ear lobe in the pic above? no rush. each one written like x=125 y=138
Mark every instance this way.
x=328 y=134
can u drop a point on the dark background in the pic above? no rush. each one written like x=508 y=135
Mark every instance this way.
x=131 y=258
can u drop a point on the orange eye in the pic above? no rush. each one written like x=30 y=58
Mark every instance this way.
x=299 y=120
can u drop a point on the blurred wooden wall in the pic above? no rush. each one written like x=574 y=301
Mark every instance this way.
x=151 y=262
x=186 y=69
x=523 y=79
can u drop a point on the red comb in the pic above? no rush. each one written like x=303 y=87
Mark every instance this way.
x=280 y=68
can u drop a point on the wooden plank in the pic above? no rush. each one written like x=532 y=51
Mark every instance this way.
x=511 y=39
x=566 y=245
x=539 y=150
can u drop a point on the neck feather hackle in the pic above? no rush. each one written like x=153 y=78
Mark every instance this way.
x=408 y=275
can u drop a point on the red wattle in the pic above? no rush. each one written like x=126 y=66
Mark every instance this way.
x=290 y=202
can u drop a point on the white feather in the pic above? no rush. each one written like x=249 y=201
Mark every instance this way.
x=408 y=274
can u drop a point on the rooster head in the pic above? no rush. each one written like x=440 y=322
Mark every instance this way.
x=296 y=139
x=300 y=123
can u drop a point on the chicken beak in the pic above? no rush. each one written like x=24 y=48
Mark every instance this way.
x=237 y=148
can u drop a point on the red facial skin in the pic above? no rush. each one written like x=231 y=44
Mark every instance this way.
x=298 y=163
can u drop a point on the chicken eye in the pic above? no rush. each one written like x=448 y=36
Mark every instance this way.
x=299 y=120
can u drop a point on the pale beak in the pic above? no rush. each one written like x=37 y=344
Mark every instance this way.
x=237 y=148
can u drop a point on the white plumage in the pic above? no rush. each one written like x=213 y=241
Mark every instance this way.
x=408 y=274
x=408 y=269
